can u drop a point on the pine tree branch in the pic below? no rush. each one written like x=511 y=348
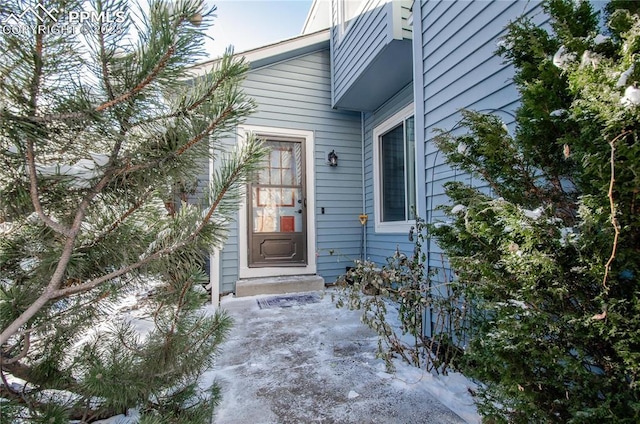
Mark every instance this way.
x=84 y=287
x=113 y=101
x=49 y=292
x=53 y=290
x=152 y=164
x=212 y=89
x=85 y=414
x=89 y=285
x=180 y=304
x=105 y=67
x=137 y=205
x=23 y=395
x=194 y=346
x=228 y=110
x=196 y=103
x=58 y=275
x=25 y=349
x=35 y=194
x=142 y=84
x=31 y=165
x=614 y=219
x=218 y=199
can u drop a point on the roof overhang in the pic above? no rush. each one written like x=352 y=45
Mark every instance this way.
x=388 y=73
x=276 y=52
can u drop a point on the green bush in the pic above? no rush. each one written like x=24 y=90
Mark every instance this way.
x=394 y=298
x=550 y=261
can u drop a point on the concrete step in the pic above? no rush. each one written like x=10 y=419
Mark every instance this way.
x=279 y=285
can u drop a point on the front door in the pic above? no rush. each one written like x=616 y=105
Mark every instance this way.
x=277 y=207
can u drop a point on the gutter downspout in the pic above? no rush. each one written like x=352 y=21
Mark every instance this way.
x=364 y=189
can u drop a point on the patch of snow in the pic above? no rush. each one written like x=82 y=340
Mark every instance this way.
x=453 y=390
x=132 y=417
x=590 y=58
x=622 y=81
x=142 y=326
x=81 y=172
x=5 y=283
x=504 y=43
x=601 y=39
x=558 y=113
x=327 y=348
x=462 y=148
x=457 y=209
x=6 y=227
x=60 y=397
x=534 y=214
x=631 y=96
x=199 y=288
x=441 y=224
x=563 y=58
x=566 y=235
x=518 y=303
x=28 y=264
x=99 y=159
x=33 y=218
x=16 y=384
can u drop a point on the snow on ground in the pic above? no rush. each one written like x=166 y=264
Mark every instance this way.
x=316 y=363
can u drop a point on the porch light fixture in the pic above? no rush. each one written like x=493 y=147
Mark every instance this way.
x=332 y=158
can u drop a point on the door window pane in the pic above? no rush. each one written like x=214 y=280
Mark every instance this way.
x=283 y=165
x=277 y=197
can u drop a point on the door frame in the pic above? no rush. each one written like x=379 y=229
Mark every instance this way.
x=243 y=234
x=297 y=238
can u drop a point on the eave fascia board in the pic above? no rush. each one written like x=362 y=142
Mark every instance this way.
x=272 y=52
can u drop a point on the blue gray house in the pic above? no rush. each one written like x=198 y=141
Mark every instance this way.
x=349 y=108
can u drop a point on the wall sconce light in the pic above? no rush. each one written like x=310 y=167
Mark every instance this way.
x=332 y=158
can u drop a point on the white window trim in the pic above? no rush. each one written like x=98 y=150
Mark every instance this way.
x=343 y=25
x=380 y=226
x=243 y=242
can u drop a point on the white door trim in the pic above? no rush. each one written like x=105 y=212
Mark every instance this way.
x=243 y=243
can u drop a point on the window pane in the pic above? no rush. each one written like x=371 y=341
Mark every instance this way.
x=411 y=167
x=393 y=175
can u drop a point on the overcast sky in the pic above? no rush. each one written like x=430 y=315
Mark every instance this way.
x=247 y=24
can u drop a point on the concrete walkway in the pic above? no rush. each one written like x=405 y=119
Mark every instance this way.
x=312 y=363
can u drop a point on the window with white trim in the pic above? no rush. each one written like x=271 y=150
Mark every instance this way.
x=395 y=172
x=348 y=10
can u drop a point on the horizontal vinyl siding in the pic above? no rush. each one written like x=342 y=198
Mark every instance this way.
x=364 y=38
x=460 y=71
x=229 y=261
x=296 y=94
x=407 y=30
x=381 y=245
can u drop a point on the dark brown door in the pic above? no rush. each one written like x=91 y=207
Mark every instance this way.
x=277 y=212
